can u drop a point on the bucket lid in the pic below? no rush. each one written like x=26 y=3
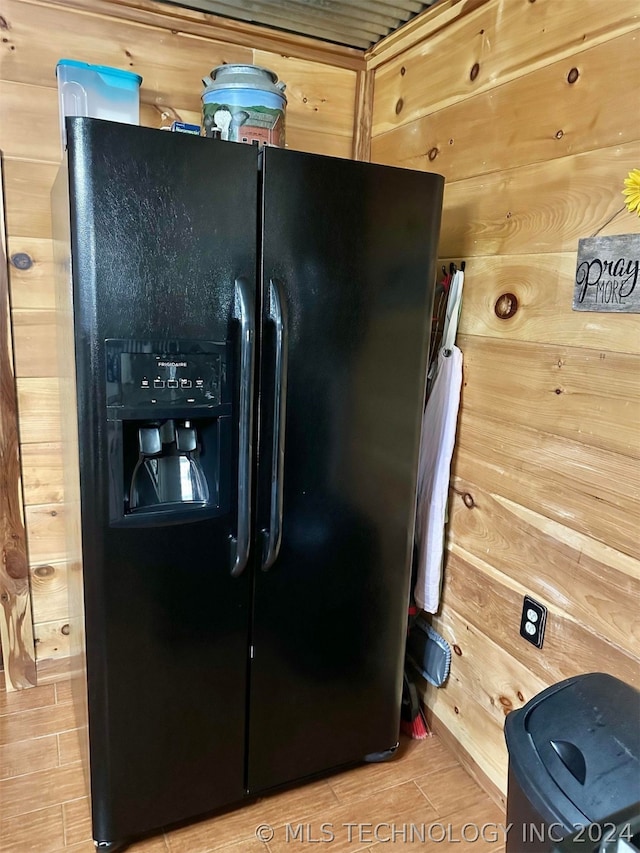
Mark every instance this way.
x=244 y=77
x=576 y=747
x=116 y=74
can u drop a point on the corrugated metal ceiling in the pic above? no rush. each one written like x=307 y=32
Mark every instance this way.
x=356 y=23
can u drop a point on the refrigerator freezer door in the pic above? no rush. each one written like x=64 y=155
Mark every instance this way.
x=162 y=225
x=352 y=249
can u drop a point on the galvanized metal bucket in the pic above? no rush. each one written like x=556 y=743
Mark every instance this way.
x=244 y=103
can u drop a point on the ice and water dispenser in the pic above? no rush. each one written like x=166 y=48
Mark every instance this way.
x=169 y=432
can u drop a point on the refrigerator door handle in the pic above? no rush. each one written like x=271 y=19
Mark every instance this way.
x=272 y=536
x=244 y=311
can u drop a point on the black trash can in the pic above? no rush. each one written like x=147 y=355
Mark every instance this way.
x=574 y=759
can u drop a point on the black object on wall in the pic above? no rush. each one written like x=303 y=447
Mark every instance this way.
x=251 y=335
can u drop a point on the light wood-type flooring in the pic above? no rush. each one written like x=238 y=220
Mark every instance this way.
x=421 y=800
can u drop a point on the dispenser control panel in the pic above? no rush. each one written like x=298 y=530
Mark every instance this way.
x=170 y=373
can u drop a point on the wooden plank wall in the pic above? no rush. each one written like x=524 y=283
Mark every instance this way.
x=528 y=108
x=172 y=48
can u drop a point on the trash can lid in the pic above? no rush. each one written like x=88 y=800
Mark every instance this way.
x=585 y=734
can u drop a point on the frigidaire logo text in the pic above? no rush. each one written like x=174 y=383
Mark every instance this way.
x=172 y=364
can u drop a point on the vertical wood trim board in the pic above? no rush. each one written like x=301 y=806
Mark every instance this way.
x=16 y=629
x=363 y=116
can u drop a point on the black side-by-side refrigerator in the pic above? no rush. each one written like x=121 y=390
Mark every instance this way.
x=251 y=332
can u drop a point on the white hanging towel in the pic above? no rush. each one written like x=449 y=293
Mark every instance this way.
x=436 y=451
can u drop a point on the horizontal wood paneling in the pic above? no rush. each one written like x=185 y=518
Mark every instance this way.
x=503 y=683
x=39 y=35
x=589 y=581
x=506 y=39
x=35 y=342
x=475 y=728
x=467 y=138
x=540 y=208
x=42 y=475
x=313 y=142
x=49 y=592
x=32 y=288
x=524 y=107
x=52 y=639
x=574 y=483
x=543 y=286
x=39 y=407
x=492 y=601
x=574 y=392
x=27 y=192
x=319 y=98
x=203 y=24
x=45 y=523
x=33 y=132
x=489 y=692
x=424 y=26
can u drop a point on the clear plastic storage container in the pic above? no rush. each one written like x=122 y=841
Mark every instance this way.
x=97 y=91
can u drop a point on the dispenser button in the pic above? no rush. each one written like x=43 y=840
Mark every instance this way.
x=145 y=383
x=186 y=439
x=199 y=383
x=158 y=383
x=186 y=383
x=172 y=383
x=149 y=441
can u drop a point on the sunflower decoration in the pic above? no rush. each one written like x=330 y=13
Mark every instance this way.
x=631 y=192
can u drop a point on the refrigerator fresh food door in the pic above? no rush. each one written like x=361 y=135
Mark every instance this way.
x=164 y=261
x=349 y=254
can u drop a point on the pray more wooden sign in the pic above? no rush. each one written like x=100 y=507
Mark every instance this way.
x=607 y=274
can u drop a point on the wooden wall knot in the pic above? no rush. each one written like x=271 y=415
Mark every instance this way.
x=468 y=500
x=4 y=24
x=15 y=564
x=44 y=571
x=475 y=70
x=457 y=650
x=573 y=75
x=506 y=306
x=399 y=106
x=21 y=261
x=507 y=704
x=433 y=153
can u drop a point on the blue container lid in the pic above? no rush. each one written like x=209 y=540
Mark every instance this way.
x=112 y=76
